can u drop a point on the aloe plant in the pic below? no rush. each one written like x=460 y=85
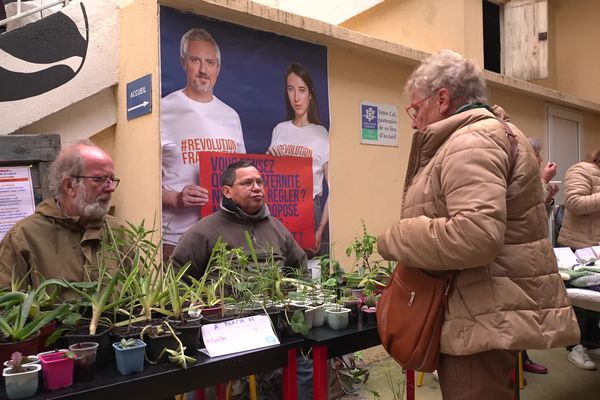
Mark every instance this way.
x=99 y=292
x=23 y=318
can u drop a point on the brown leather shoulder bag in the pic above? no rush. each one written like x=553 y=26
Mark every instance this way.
x=410 y=314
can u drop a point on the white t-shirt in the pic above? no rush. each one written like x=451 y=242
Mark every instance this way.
x=188 y=127
x=305 y=141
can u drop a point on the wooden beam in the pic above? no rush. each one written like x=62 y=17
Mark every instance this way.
x=29 y=148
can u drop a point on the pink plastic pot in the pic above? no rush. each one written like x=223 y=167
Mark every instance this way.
x=57 y=369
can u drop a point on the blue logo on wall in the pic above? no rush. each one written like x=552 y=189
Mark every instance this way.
x=369 y=117
x=369 y=129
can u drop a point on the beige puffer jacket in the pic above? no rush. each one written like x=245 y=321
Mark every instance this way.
x=581 y=222
x=458 y=214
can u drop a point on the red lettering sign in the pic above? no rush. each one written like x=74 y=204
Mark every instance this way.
x=288 y=189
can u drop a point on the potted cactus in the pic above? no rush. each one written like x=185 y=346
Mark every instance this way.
x=129 y=354
x=20 y=379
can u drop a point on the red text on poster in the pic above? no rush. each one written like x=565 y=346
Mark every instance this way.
x=288 y=183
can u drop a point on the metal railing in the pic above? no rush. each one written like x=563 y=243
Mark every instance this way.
x=22 y=14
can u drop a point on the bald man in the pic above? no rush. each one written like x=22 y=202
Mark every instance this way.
x=62 y=238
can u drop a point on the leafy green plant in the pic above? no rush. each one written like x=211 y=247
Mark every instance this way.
x=127 y=343
x=176 y=356
x=350 y=373
x=298 y=323
x=22 y=317
x=367 y=273
x=116 y=262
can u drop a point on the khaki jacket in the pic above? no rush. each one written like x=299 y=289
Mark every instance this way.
x=468 y=209
x=581 y=222
x=48 y=244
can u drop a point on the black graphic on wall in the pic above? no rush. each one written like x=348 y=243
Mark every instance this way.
x=54 y=40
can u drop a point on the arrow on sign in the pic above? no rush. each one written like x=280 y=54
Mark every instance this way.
x=144 y=104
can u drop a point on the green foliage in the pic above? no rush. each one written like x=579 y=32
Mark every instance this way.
x=367 y=273
x=128 y=343
x=298 y=324
x=22 y=317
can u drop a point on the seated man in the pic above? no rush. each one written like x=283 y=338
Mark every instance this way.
x=65 y=232
x=242 y=209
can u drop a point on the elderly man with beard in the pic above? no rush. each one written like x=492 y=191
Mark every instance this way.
x=62 y=238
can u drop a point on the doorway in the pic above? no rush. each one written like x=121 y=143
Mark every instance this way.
x=564 y=129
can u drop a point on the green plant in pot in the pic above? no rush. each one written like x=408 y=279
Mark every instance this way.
x=178 y=294
x=21 y=320
x=337 y=316
x=366 y=272
x=129 y=355
x=175 y=350
x=20 y=380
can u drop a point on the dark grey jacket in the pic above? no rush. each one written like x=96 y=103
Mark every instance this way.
x=230 y=223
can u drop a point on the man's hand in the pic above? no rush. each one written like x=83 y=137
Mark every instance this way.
x=549 y=172
x=552 y=190
x=275 y=151
x=318 y=238
x=192 y=196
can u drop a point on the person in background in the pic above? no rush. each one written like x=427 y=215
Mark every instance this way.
x=193 y=120
x=547 y=173
x=580 y=229
x=65 y=233
x=303 y=135
x=472 y=206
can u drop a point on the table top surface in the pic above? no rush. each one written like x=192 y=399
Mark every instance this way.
x=163 y=380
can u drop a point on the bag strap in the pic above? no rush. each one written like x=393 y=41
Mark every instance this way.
x=514 y=146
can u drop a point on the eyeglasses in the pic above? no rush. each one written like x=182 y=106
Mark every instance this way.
x=249 y=183
x=412 y=111
x=103 y=180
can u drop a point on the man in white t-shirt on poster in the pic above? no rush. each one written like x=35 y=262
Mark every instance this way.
x=193 y=120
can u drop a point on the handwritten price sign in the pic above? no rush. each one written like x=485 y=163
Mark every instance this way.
x=288 y=189
x=224 y=337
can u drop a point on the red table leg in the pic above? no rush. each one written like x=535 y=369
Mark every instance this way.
x=410 y=384
x=320 y=383
x=222 y=391
x=290 y=380
x=200 y=394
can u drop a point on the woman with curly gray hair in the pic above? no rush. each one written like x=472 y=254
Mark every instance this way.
x=473 y=208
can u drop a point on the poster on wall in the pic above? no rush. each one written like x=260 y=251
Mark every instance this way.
x=231 y=89
x=16 y=196
x=287 y=184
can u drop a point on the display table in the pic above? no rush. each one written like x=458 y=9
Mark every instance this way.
x=584 y=298
x=327 y=343
x=165 y=380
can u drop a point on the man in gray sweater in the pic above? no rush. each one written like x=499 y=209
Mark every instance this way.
x=242 y=210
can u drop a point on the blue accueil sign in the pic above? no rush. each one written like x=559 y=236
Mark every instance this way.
x=139 y=97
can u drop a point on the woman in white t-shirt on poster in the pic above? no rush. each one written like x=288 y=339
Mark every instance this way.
x=304 y=136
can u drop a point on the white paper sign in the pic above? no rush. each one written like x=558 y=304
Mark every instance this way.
x=16 y=196
x=585 y=255
x=378 y=124
x=565 y=257
x=237 y=335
